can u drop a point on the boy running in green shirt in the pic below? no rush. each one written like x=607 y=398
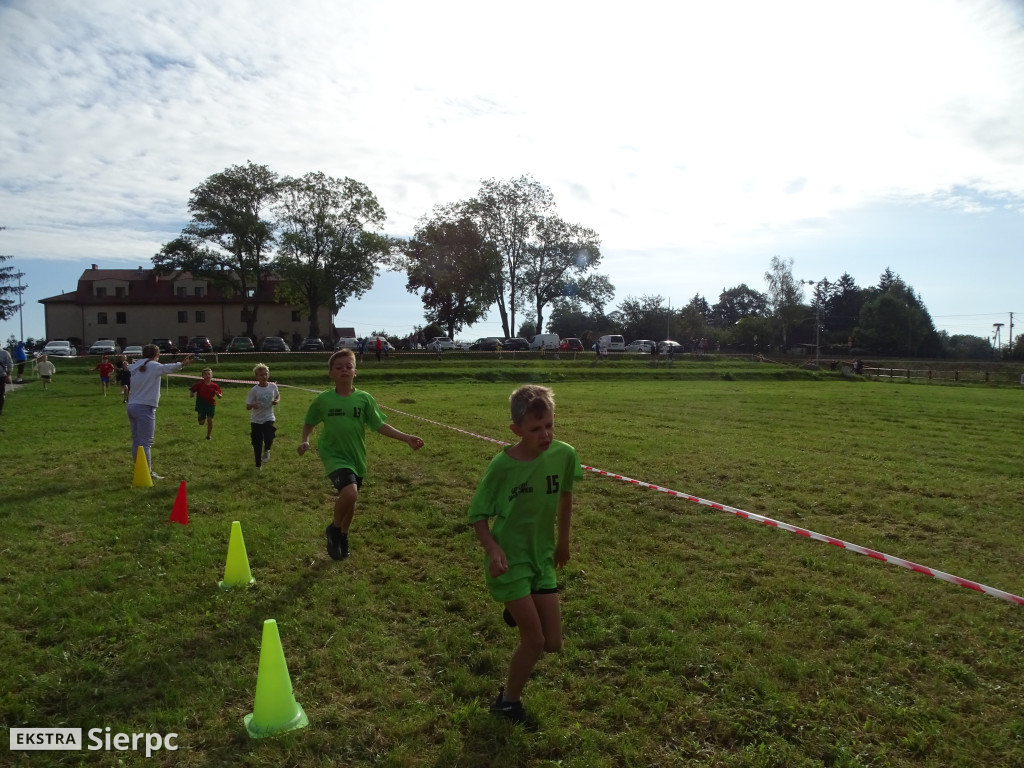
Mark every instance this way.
x=527 y=489
x=345 y=412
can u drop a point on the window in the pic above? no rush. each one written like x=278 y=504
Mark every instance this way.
x=182 y=292
x=183 y=316
x=119 y=292
x=101 y=292
x=101 y=318
x=200 y=316
x=296 y=316
x=199 y=291
x=122 y=318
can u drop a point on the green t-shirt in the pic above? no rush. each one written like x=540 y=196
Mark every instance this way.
x=342 y=443
x=522 y=497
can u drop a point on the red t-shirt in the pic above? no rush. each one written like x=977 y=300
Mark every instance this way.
x=105 y=369
x=206 y=391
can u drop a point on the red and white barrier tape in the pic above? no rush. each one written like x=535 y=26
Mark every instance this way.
x=774 y=523
x=892 y=559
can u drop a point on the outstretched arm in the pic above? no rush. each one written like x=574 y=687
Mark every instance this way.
x=411 y=440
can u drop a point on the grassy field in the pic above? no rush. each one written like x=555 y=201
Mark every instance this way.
x=692 y=637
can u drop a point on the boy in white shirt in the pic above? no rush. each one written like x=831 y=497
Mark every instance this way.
x=260 y=403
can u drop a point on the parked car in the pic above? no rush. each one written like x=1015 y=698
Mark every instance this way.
x=104 y=347
x=371 y=344
x=570 y=345
x=166 y=346
x=669 y=347
x=516 y=344
x=274 y=344
x=240 y=344
x=441 y=343
x=133 y=350
x=59 y=349
x=485 y=344
x=346 y=342
x=545 y=341
x=613 y=343
x=199 y=344
x=643 y=346
x=311 y=344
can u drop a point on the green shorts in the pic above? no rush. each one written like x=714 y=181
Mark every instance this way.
x=521 y=580
x=204 y=408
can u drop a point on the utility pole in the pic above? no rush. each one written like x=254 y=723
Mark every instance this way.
x=817 y=319
x=1011 y=336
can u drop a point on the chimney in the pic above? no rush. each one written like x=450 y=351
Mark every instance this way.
x=94 y=267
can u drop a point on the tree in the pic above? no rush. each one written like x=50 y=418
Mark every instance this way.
x=10 y=290
x=734 y=304
x=508 y=214
x=894 y=321
x=229 y=240
x=561 y=253
x=784 y=296
x=842 y=308
x=570 y=319
x=453 y=265
x=643 y=318
x=327 y=254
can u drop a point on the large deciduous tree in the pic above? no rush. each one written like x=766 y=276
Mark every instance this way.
x=736 y=303
x=329 y=247
x=784 y=296
x=230 y=236
x=554 y=264
x=453 y=265
x=508 y=214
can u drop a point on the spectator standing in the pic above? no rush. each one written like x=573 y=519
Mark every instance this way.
x=6 y=367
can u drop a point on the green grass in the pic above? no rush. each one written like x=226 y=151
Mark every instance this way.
x=692 y=637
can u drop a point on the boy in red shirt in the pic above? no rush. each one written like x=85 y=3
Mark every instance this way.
x=206 y=392
x=105 y=367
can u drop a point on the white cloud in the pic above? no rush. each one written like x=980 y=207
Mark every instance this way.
x=692 y=128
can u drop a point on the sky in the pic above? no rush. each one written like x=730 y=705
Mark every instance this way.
x=697 y=139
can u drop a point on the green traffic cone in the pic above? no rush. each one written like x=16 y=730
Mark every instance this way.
x=276 y=710
x=236 y=570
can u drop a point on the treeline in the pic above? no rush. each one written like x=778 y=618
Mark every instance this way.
x=506 y=248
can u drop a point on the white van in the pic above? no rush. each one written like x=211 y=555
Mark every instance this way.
x=545 y=341
x=612 y=343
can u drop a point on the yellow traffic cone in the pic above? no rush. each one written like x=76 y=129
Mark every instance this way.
x=276 y=710
x=236 y=571
x=142 y=478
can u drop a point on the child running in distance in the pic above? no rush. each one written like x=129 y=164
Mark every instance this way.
x=207 y=393
x=346 y=413
x=45 y=369
x=260 y=403
x=527 y=489
x=105 y=367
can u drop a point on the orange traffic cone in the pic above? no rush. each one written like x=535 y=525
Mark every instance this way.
x=276 y=710
x=180 y=512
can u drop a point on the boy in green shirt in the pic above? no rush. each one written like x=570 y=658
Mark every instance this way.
x=345 y=412
x=527 y=489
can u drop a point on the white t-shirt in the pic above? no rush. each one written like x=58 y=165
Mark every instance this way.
x=263 y=398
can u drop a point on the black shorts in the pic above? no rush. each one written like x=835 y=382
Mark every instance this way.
x=342 y=477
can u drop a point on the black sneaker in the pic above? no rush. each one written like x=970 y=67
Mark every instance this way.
x=512 y=711
x=508 y=618
x=337 y=542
